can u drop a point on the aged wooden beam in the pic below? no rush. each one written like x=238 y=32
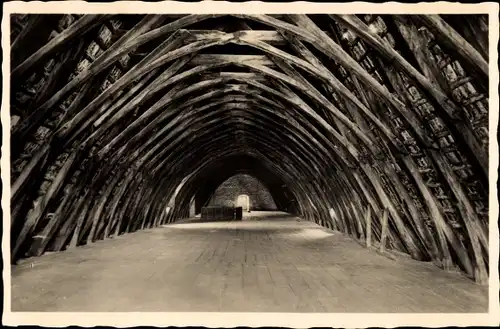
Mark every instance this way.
x=353 y=194
x=158 y=145
x=75 y=215
x=34 y=34
x=287 y=95
x=99 y=207
x=107 y=58
x=418 y=47
x=416 y=222
x=344 y=92
x=141 y=196
x=270 y=37
x=279 y=25
x=107 y=111
x=368 y=220
x=350 y=228
x=446 y=261
x=306 y=86
x=86 y=92
x=41 y=203
x=125 y=202
x=383 y=48
x=444 y=231
x=407 y=237
x=320 y=40
x=205 y=59
x=306 y=167
x=36 y=161
x=385 y=228
x=423 y=233
x=152 y=112
x=183 y=51
x=114 y=203
x=61 y=237
x=68 y=225
x=98 y=187
x=338 y=225
x=122 y=111
x=134 y=202
x=65 y=62
x=236 y=75
x=142 y=211
x=76 y=30
x=359 y=222
x=475 y=30
x=470 y=220
x=80 y=219
x=42 y=238
x=454 y=41
x=139 y=70
x=449 y=108
x=335 y=51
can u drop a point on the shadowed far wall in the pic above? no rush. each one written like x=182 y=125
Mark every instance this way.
x=227 y=193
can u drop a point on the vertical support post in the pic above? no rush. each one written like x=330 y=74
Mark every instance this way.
x=368 y=219
x=358 y=222
x=385 y=228
x=333 y=219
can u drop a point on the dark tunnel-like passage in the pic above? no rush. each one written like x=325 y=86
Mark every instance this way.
x=372 y=125
x=231 y=166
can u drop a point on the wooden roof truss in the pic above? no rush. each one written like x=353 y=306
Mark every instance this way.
x=379 y=117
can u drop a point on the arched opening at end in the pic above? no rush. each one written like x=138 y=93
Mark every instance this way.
x=243 y=201
x=246 y=191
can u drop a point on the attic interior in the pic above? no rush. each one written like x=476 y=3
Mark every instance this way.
x=369 y=125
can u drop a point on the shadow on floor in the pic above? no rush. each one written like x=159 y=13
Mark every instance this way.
x=268 y=216
x=247 y=216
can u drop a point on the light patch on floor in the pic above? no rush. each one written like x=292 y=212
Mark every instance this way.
x=310 y=234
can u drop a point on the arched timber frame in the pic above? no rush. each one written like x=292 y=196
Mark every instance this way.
x=349 y=120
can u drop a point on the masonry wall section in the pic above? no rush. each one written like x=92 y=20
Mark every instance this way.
x=227 y=193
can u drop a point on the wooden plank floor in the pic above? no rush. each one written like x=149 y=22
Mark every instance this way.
x=266 y=264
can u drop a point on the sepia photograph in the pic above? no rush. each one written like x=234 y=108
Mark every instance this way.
x=240 y=163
